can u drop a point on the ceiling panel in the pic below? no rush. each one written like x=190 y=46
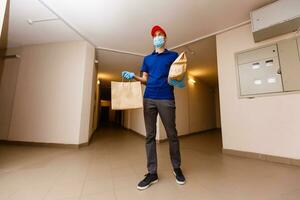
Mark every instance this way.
x=20 y=32
x=125 y=24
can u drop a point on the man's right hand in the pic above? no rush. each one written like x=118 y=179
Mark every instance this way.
x=127 y=75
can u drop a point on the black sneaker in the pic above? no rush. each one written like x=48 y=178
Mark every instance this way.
x=180 y=179
x=147 y=181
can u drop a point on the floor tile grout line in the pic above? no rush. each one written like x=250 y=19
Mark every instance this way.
x=53 y=183
x=85 y=178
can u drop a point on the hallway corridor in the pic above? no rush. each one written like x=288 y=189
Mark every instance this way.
x=115 y=161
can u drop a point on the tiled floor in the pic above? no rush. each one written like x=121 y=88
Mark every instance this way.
x=113 y=164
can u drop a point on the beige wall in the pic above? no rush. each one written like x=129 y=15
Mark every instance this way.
x=88 y=93
x=2 y=13
x=7 y=90
x=96 y=102
x=195 y=111
x=137 y=121
x=112 y=115
x=53 y=92
x=201 y=107
x=217 y=107
x=2 y=60
x=266 y=125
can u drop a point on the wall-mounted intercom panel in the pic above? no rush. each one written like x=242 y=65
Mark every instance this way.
x=269 y=69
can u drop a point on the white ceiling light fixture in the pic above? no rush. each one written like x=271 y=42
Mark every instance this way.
x=32 y=22
x=192 y=81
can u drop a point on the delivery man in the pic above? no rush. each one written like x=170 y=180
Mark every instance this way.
x=159 y=99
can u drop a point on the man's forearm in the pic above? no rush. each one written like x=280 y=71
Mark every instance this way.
x=141 y=79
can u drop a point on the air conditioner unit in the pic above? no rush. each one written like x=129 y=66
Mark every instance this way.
x=278 y=18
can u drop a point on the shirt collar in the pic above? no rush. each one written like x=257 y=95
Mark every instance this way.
x=164 y=52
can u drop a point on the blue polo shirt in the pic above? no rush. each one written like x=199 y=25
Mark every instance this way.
x=157 y=65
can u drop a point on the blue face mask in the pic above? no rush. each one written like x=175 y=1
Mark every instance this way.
x=158 y=41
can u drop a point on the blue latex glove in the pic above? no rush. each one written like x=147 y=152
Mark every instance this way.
x=127 y=75
x=176 y=83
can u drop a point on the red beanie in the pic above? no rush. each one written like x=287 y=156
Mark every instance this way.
x=158 y=28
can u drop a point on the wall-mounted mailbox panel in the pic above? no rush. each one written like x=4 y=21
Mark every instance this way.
x=257 y=54
x=259 y=71
x=271 y=69
x=290 y=64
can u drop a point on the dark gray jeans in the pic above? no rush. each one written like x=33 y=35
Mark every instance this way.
x=166 y=110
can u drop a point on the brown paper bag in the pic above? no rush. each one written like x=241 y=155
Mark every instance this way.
x=126 y=95
x=178 y=68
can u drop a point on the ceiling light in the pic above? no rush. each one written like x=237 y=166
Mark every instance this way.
x=192 y=81
x=32 y=22
x=29 y=21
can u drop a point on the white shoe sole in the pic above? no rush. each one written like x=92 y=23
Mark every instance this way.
x=143 y=188
x=179 y=182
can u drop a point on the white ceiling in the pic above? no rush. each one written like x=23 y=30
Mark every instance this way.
x=20 y=33
x=124 y=25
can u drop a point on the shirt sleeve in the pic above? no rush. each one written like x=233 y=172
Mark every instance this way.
x=144 y=67
x=176 y=56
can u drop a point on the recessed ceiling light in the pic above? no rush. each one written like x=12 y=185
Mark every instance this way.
x=192 y=81
x=29 y=21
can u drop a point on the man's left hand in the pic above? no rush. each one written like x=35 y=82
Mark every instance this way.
x=176 y=83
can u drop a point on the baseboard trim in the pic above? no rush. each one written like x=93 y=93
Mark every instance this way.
x=39 y=144
x=189 y=134
x=135 y=132
x=44 y=144
x=85 y=144
x=265 y=157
